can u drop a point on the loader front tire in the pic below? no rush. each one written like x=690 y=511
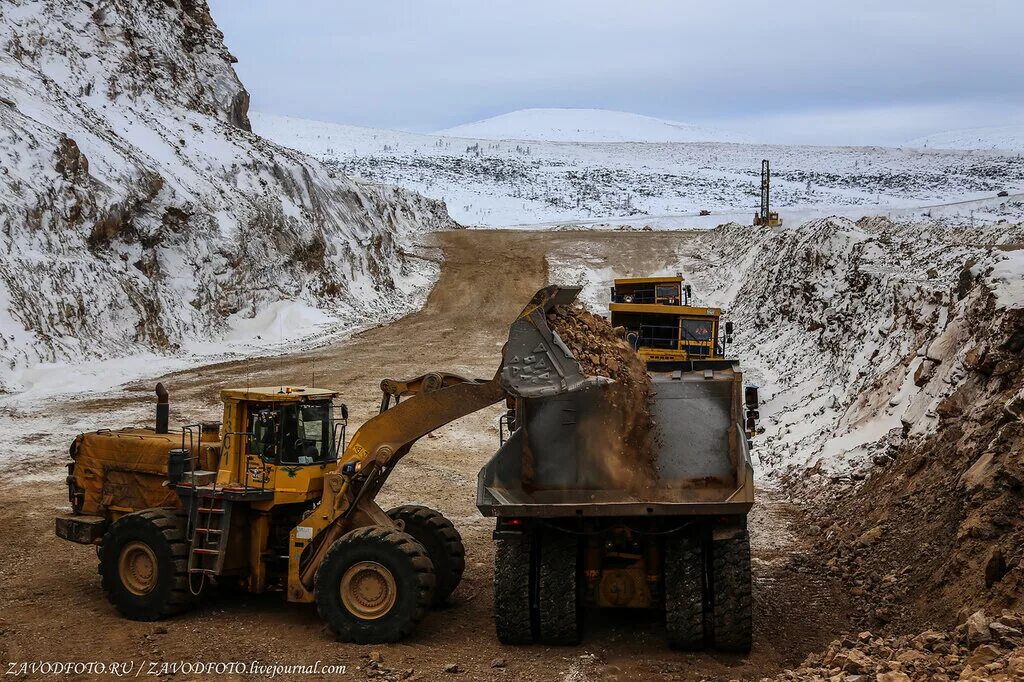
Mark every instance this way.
x=442 y=542
x=558 y=602
x=144 y=565
x=374 y=585
x=513 y=568
x=684 y=592
x=731 y=622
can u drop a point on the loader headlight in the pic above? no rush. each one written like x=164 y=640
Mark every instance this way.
x=627 y=299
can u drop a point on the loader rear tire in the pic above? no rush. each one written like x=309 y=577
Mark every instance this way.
x=513 y=569
x=442 y=542
x=558 y=602
x=684 y=592
x=374 y=585
x=144 y=565
x=731 y=622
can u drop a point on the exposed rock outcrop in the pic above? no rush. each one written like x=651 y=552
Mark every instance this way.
x=139 y=212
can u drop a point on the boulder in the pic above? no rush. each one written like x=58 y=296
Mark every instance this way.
x=978 y=631
x=892 y=676
x=869 y=536
x=983 y=655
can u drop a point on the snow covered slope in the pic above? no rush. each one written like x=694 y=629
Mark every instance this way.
x=855 y=332
x=586 y=125
x=999 y=137
x=140 y=213
x=502 y=182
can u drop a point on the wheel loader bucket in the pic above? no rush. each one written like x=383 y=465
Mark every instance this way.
x=536 y=362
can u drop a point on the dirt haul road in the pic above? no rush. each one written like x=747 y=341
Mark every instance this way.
x=51 y=606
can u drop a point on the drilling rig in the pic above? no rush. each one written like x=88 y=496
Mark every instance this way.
x=766 y=216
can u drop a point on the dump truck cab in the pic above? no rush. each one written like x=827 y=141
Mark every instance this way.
x=660 y=323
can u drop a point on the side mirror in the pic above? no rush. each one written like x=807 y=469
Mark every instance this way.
x=750 y=397
x=344 y=411
x=728 y=327
x=728 y=338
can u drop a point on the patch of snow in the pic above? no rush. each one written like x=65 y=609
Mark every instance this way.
x=1007 y=278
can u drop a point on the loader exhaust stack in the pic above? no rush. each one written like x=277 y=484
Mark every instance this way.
x=163 y=410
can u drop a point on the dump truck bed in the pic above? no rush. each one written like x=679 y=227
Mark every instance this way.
x=554 y=465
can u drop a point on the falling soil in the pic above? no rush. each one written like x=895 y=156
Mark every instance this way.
x=625 y=434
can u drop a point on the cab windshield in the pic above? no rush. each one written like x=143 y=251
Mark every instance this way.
x=293 y=433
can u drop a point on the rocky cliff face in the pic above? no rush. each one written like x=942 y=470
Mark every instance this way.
x=139 y=212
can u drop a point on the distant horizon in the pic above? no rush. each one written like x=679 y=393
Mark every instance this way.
x=1016 y=127
x=877 y=72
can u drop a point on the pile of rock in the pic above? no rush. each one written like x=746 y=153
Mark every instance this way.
x=625 y=437
x=981 y=648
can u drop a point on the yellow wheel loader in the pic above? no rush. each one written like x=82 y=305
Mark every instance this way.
x=274 y=498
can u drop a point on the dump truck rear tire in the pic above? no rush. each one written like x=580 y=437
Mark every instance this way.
x=144 y=565
x=374 y=585
x=731 y=623
x=557 y=590
x=513 y=569
x=442 y=542
x=684 y=592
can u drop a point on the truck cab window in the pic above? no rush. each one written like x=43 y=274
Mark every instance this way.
x=667 y=293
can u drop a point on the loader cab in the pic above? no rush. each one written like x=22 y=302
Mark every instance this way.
x=660 y=322
x=281 y=439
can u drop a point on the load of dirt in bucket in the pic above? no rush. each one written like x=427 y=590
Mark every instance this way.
x=625 y=432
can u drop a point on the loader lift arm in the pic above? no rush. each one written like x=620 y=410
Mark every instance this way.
x=348 y=501
x=534 y=362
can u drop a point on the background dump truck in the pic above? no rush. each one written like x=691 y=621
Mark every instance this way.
x=569 y=535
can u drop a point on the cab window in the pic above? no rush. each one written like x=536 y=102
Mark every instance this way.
x=667 y=293
x=292 y=433
x=697 y=330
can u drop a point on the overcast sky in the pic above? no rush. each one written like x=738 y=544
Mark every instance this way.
x=824 y=71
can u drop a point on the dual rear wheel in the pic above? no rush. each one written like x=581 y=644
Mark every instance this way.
x=707 y=590
x=537 y=588
x=708 y=601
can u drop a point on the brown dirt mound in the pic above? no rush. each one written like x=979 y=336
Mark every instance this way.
x=937 y=532
x=603 y=352
x=981 y=649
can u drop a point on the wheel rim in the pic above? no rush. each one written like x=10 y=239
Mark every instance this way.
x=138 y=568
x=368 y=590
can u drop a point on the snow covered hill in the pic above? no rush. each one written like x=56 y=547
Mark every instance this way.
x=139 y=213
x=586 y=125
x=999 y=137
x=509 y=182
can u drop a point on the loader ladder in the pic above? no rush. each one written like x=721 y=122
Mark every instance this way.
x=209 y=534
